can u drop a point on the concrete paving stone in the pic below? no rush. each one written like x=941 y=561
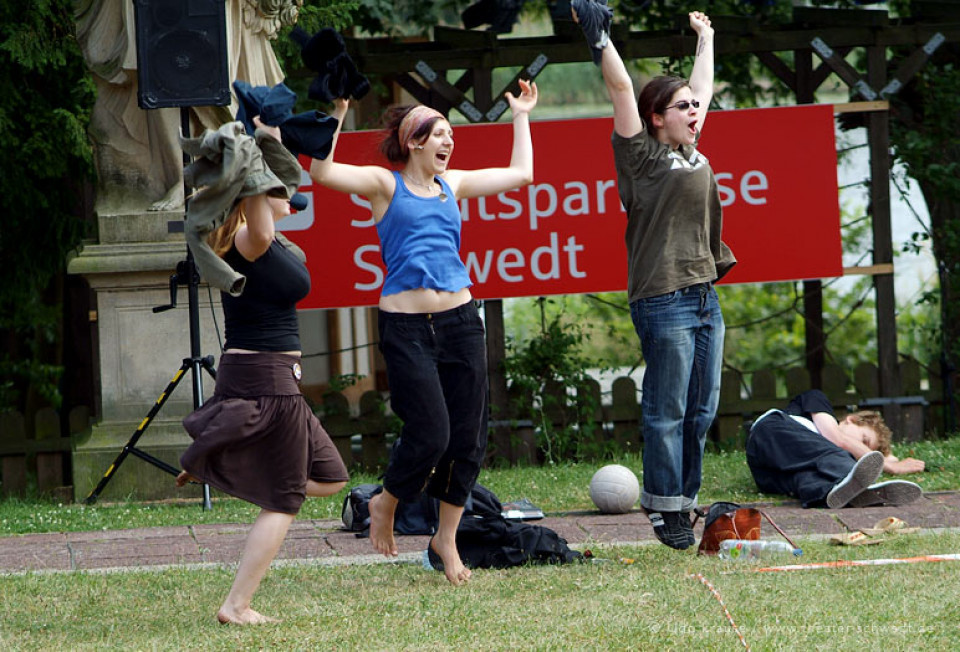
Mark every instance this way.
x=948 y=500
x=220 y=529
x=590 y=518
x=609 y=528
x=304 y=544
x=223 y=552
x=568 y=529
x=613 y=533
x=325 y=524
x=21 y=555
x=323 y=539
x=221 y=543
x=134 y=533
x=135 y=551
x=928 y=512
x=33 y=539
x=347 y=544
x=799 y=522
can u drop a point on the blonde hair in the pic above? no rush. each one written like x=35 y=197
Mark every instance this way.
x=874 y=421
x=221 y=239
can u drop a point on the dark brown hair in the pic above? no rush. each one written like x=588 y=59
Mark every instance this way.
x=390 y=146
x=655 y=97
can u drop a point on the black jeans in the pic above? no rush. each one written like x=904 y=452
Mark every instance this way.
x=437 y=369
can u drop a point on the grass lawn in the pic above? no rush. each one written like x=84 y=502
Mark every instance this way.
x=557 y=488
x=655 y=602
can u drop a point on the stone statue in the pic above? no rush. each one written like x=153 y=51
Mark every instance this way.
x=138 y=157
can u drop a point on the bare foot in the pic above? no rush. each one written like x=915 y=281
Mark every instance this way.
x=381 y=526
x=171 y=201
x=183 y=478
x=453 y=567
x=246 y=617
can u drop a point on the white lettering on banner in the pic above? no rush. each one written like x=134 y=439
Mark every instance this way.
x=582 y=198
x=532 y=191
x=750 y=183
x=550 y=251
x=371 y=267
x=572 y=203
x=511 y=258
x=482 y=210
x=543 y=200
x=746 y=187
x=357 y=200
x=602 y=187
x=512 y=203
x=508 y=259
x=486 y=216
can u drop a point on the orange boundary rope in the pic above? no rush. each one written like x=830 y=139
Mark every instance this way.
x=726 y=612
x=862 y=562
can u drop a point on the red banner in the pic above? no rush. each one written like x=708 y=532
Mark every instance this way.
x=563 y=234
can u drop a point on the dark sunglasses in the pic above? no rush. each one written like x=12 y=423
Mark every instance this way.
x=683 y=105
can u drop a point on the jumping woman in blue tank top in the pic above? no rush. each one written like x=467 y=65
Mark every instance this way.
x=431 y=334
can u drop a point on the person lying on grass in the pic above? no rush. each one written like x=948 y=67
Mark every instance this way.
x=804 y=452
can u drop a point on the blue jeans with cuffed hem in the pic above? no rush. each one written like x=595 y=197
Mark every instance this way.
x=437 y=370
x=681 y=336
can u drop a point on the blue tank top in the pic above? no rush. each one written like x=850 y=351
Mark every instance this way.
x=420 y=242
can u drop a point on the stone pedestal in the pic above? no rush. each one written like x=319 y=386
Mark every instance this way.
x=139 y=352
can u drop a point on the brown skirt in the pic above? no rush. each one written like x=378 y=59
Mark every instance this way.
x=257 y=438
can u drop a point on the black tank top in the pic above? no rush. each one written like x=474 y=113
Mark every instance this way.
x=264 y=316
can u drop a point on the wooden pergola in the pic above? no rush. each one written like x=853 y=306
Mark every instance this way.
x=816 y=43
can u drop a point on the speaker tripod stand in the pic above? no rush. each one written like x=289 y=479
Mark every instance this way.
x=186 y=274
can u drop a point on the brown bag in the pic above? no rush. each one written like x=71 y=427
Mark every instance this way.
x=731 y=521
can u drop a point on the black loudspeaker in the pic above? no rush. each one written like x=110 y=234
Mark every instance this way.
x=181 y=53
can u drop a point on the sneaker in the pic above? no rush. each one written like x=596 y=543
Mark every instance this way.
x=687 y=526
x=864 y=473
x=892 y=492
x=594 y=17
x=670 y=530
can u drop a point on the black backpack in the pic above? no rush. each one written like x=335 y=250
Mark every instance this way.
x=420 y=517
x=485 y=538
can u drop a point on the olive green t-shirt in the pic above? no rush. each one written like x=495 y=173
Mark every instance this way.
x=674 y=218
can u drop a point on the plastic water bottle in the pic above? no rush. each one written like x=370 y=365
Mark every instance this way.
x=755 y=550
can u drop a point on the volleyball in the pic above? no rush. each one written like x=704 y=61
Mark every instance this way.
x=614 y=489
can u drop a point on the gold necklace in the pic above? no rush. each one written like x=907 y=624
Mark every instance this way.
x=432 y=187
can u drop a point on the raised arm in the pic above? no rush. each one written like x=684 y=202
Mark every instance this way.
x=701 y=79
x=372 y=181
x=626 y=115
x=490 y=181
x=595 y=22
x=253 y=238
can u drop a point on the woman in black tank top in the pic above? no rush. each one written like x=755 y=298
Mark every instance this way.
x=257 y=439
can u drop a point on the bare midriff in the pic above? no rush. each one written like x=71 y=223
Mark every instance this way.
x=423 y=300
x=245 y=351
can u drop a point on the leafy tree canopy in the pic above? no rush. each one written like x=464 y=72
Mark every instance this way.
x=44 y=111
